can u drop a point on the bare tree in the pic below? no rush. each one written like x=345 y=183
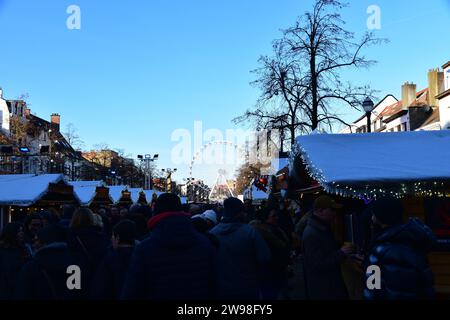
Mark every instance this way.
x=301 y=83
x=72 y=137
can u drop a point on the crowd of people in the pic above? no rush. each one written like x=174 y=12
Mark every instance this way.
x=234 y=251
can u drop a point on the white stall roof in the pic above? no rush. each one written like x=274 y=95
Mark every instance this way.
x=115 y=192
x=135 y=194
x=342 y=163
x=25 y=189
x=85 y=190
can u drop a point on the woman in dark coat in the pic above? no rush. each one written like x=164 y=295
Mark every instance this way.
x=13 y=255
x=87 y=244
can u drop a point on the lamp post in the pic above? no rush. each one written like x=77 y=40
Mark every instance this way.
x=146 y=159
x=368 y=107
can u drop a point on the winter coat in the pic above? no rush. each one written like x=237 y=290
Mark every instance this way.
x=400 y=253
x=322 y=262
x=242 y=253
x=11 y=261
x=279 y=246
x=45 y=276
x=88 y=246
x=110 y=276
x=174 y=262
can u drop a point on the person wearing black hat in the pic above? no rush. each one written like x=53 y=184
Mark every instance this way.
x=45 y=276
x=322 y=255
x=175 y=262
x=242 y=254
x=400 y=252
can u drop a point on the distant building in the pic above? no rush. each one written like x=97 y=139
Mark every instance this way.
x=417 y=110
x=29 y=144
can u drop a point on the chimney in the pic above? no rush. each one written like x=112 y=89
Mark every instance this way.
x=1 y=93
x=435 y=85
x=55 y=120
x=408 y=94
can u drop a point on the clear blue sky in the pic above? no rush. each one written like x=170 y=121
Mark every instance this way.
x=137 y=70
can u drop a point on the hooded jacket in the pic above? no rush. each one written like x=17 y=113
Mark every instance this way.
x=242 y=254
x=174 y=262
x=400 y=253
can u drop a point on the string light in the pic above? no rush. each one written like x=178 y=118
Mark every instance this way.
x=421 y=188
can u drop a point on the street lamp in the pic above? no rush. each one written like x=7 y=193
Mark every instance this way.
x=368 y=107
x=148 y=175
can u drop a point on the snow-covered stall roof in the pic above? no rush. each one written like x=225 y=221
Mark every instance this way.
x=115 y=192
x=135 y=194
x=85 y=190
x=25 y=189
x=375 y=164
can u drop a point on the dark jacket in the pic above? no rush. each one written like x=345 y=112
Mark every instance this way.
x=400 y=253
x=11 y=261
x=279 y=246
x=45 y=276
x=242 y=253
x=322 y=262
x=110 y=276
x=174 y=262
x=88 y=246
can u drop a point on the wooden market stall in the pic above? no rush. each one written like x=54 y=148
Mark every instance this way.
x=21 y=194
x=92 y=194
x=358 y=168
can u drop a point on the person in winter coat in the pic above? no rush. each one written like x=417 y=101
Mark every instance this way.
x=13 y=255
x=400 y=251
x=242 y=254
x=45 y=276
x=110 y=276
x=275 y=276
x=87 y=244
x=322 y=256
x=33 y=223
x=175 y=261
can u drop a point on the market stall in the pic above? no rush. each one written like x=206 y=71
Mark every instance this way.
x=92 y=193
x=25 y=193
x=359 y=168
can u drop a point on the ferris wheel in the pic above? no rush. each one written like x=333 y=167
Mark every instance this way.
x=221 y=185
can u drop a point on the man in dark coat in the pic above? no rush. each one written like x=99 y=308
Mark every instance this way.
x=110 y=276
x=322 y=255
x=45 y=276
x=175 y=261
x=400 y=251
x=242 y=254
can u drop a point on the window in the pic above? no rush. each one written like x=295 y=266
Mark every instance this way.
x=399 y=127
x=405 y=126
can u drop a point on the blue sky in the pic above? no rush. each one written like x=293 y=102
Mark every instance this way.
x=138 y=70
